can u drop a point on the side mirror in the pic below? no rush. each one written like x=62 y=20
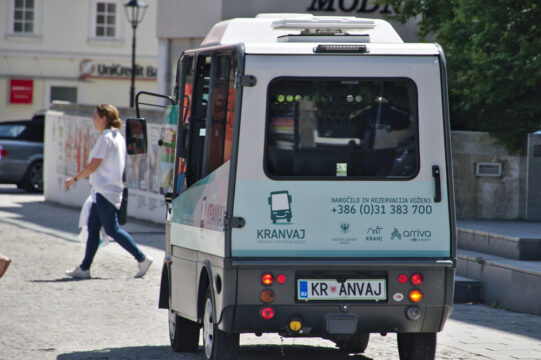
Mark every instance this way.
x=136 y=136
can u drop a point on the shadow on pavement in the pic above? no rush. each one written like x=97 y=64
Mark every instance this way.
x=506 y=321
x=247 y=352
x=33 y=212
x=66 y=279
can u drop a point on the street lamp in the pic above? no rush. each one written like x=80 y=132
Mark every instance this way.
x=135 y=11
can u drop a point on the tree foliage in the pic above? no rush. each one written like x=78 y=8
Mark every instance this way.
x=493 y=52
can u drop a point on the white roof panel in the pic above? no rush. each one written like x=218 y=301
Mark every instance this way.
x=266 y=28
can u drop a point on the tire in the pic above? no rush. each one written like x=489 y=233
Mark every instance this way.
x=183 y=333
x=356 y=344
x=33 y=178
x=416 y=346
x=217 y=345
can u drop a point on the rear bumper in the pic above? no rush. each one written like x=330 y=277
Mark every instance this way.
x=324 y=320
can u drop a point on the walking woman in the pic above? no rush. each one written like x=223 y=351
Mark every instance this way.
x=107 y=161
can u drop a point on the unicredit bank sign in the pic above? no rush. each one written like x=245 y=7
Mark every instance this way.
x=89 y=69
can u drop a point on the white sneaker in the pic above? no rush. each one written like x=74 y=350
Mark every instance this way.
x=78 y=273
x=143 y=267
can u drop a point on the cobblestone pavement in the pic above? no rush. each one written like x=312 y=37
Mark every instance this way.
x=45 y=315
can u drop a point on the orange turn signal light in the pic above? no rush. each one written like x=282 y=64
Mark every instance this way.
x=416 y=295
x=267 y=279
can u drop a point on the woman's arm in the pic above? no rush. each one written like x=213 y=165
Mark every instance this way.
x=87 y=170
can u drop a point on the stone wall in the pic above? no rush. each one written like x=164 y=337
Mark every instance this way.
x=487 y=197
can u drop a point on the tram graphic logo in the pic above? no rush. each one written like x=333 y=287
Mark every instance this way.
x=396 y=234
x=280 y=206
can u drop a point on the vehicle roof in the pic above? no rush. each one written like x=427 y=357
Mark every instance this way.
x=300 y=33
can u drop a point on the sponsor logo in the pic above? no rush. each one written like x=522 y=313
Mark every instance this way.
x=345 y=227
x=374 y=234
x=412 y=235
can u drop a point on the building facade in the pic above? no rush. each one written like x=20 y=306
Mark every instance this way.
x=76 y=51
x=183 y=24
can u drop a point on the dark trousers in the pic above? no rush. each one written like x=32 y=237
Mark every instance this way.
x=103 y=213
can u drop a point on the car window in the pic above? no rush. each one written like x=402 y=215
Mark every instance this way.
x=341 y=128
x=33 y=132
x=11 y=131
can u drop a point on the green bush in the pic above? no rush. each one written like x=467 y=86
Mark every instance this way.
x=493 y=52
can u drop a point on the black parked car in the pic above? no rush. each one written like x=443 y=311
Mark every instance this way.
x=21 y=153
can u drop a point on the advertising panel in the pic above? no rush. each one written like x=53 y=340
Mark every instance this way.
x=341 y=219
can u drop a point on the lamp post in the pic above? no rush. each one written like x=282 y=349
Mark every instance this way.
x=135 y=11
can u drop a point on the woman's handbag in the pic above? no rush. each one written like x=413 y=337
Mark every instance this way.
x=123 y=211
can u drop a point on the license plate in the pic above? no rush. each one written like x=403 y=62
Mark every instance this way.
x=352 y=289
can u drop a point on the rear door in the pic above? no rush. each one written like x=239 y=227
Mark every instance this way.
x=358 y=145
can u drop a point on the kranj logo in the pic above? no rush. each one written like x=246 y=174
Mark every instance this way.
x=374 y=234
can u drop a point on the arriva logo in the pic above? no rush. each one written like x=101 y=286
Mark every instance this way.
x=412 y=235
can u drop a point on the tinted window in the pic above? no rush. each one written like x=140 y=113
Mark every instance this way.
x=341 y=128
x=223 y=101
x=11 y=131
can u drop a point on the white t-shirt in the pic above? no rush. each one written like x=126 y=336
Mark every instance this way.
x=107 y=179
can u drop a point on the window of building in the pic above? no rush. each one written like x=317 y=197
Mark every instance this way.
x=342 y=128
x=63 y=93
x=23 y=17
x=106 y=13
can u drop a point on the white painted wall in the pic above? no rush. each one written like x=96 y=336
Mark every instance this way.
x=64 y=37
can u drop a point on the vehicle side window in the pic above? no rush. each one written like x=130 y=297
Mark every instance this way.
x=11 y=131
x=223 y=100
x=33 y=133
x=198 y=120
x=185 y=78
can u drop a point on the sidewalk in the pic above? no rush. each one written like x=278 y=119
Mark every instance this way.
x=33 y=213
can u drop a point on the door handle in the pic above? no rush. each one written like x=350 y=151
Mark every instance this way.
x=437 y=181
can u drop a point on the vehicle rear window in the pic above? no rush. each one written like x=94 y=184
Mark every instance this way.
x=11 y=131
x=341 y=128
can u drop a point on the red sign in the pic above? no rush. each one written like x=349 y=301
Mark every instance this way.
x=20 y=91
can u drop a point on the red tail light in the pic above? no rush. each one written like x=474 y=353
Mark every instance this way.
x=3 y=152
x=402 y=278
x=281 y=279
x=267 y=313
x=416 y=279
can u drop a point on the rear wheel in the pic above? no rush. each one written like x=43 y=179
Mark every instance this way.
x=217 y=344
x=357 y=343
x=183 y=333
x=33 y=178
x=416 y=346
